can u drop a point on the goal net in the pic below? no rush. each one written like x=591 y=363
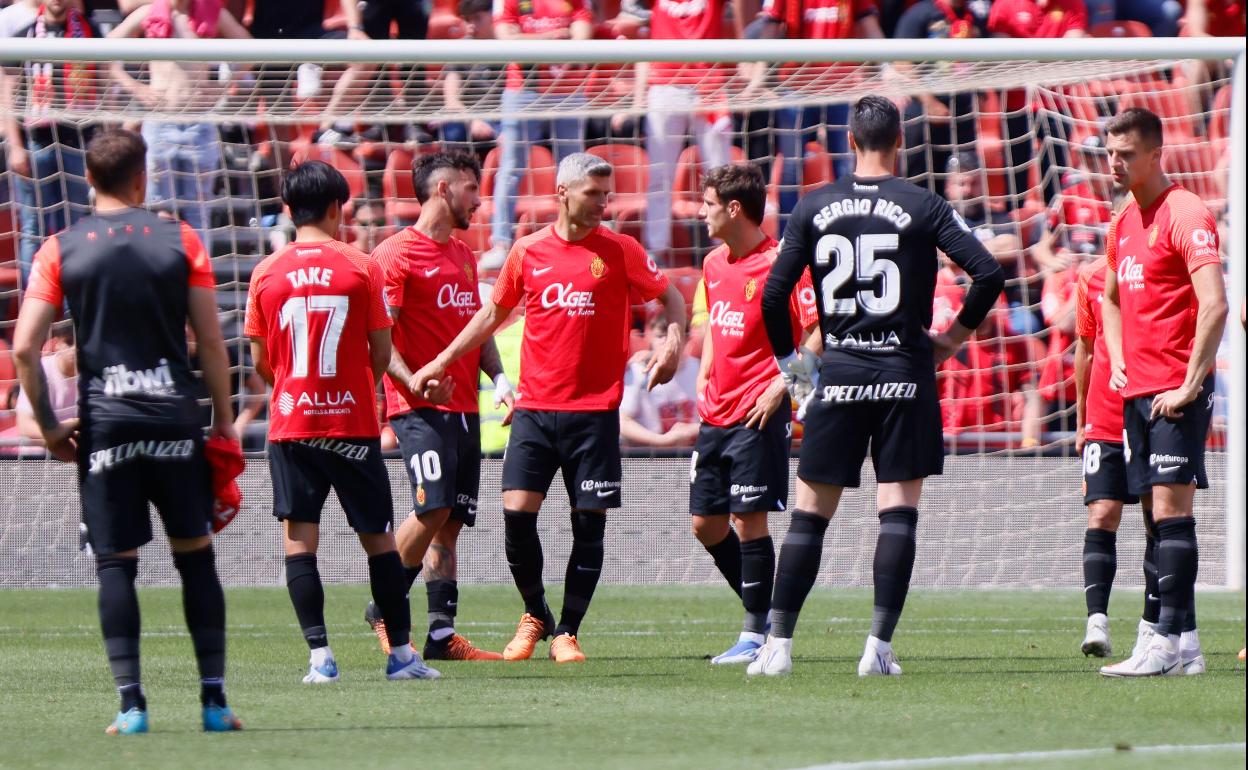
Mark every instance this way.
x=1013 y=139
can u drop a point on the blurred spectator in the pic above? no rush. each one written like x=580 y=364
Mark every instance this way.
x=1161 y=16
x=1057 y=372
x=462 y=81
x=1219 y=18
x=184 y=163
x=533 y=89
x=938 y=125
x=46 y=156
x=674 y=96
x=368 y=226
x=60 y=369
x=1001 y=235
x=1033 y=19
x=798 y=125
x=1080 y=213
x=667 y=415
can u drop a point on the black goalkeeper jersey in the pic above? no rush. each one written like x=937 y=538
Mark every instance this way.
x=871 y=245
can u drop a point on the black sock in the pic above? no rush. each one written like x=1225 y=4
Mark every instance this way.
x=584 y=569
x=1152 y=601
x=385 y=578
x=796 y=570
x=758 y=569
x=203 y=603
x=727 y=556
x=1177 y=563
x=1100 y=564
x=410 y=574
x=1189 y=620
x=303 y=583
x=119 y=620
x=524 y=557
x=443 y=600
x=892 y=567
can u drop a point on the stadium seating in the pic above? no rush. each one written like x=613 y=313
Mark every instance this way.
x=402 y=207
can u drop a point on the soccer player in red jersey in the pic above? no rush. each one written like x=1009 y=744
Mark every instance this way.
x=574 y=278
x=431 y=288
x=132 y=281
x=320 y=335
x=740 y=464
x=1105 y=487
x=1164 y=311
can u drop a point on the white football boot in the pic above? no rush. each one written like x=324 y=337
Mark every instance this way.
x=1190 y=653
x=878 y=659
x=774 y=659
x=1096 y=640
x=1160 y=659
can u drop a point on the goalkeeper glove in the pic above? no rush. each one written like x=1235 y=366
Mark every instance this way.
x=799 y=370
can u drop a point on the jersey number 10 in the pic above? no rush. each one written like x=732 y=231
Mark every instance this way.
x=295 y=318
x=859 y=262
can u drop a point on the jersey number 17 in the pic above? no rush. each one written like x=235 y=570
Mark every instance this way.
x=295 y=318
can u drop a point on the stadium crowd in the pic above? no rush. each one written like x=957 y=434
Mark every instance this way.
x=1028 y=175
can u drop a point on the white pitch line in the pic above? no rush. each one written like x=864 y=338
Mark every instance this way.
x=1024 y=756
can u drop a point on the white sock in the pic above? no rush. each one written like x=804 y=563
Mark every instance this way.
x=402 y=653
x=1190 y=641
x=320 y=655
x=439 y=634
x=750 y=636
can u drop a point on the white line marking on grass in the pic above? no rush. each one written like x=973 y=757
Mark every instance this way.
x=1024 y=756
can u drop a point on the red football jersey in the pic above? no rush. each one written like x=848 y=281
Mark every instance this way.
x=537 y=16
x=1154 y=252
x=687 y=20
x=1026 y=19
x=314 y=304
x=742 y=366
x=576 y=300
x=1104 y=406
x=433 y=287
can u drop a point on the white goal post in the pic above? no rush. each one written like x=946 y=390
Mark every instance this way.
x=991 y=64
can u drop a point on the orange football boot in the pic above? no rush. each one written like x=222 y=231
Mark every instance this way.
x=565 y=649
x=529 y=632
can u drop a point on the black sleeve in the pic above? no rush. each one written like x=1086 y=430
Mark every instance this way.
x=785 y=273
x=987 y=278
x=913 y=23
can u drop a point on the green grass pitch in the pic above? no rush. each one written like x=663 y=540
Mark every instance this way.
x=985 y=672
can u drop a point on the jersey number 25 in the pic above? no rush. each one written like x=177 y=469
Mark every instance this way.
x=859 y=261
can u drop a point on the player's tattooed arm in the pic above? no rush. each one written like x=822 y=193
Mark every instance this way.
x=491 y=361
x=33 y=321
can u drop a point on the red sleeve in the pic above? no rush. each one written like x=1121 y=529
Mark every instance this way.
x=998 y=18
x=582 y=12
x=197 y=258
x=1076 y=16
x=1111 y=244
x=1085 y=321
x=378 y=310
x=643 y=274
x=393 y=272
x=507 y=12
x=509 y=288
x=802 y=305
x=253 y=323
x=45 y=275
x=1194 y=233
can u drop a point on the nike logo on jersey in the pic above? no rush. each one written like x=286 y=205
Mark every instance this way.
x=452 y=604
x=432 y=271
x=1168 y=468
x=605 y=492
x=1123 y=241
x=751 y=585
x=579 y=568
x=542 y=270
x=713 y=284
x=750 y=498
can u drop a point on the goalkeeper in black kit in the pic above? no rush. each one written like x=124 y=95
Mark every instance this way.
x=870 y=241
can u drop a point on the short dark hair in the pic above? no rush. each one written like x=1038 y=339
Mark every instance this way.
x=310 y=188
x=473 y=7
x=425 y=166
x=742 y=183
x=875 y=123
x=1143 y=122
x=114 y=158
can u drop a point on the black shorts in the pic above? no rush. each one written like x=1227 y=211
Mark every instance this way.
x=409 y=16
x=303 y=471
x=739 y=469
x=442 y=454
x=896 y=414
x=584 y=445
x=124 y=466
x=1164 y=451
x=1105 y=473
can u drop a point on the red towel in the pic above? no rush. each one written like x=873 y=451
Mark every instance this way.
x=226 y=458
